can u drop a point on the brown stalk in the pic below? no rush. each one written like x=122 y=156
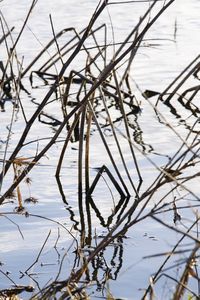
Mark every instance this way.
x=101 y=78
x=166 y=91
x=127 y=130
x=51 y=91
x=188 y=271
x=117 y=142
x=67 y=139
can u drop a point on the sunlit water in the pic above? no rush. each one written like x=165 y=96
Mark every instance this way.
x=154 y=68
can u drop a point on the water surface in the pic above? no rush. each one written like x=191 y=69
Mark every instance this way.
x=172 y=43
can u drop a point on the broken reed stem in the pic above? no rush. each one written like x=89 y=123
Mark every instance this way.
x=67 y=139
x=6 y=274
x=142 y=197
x=12 y=77
x=80 y=175
x=45 y=49
x=127 y=128
x=81 y=109
x=5 y=35
x=108 y=150
x=197 y=66
x=13 y=49
x=87 y=171
x=40 y=252
x=117 y=142
x=34 y=2
x=156 y=276
x=101 y=78
x=109 y=237
x=51 y=62
x=10 y=220
x=51 y=91
x=183 y=282
x=177 y=78
x=55 y=40
x=87 y=147
x=131 y=58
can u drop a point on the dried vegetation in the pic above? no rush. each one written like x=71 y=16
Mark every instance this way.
x=99 y=98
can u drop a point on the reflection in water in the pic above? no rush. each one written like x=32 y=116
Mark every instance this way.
x=174 y=94
x=104 y=266
x=104 y=270
x=117 y=211
x=104 y=169
x=94 y=102
x=120 y=207
x=68 y=207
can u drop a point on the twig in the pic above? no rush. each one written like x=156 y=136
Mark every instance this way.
x=38 y=256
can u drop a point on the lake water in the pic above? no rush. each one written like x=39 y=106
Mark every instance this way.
x=171 y=44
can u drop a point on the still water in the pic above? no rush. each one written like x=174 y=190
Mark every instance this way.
x=171 y=44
